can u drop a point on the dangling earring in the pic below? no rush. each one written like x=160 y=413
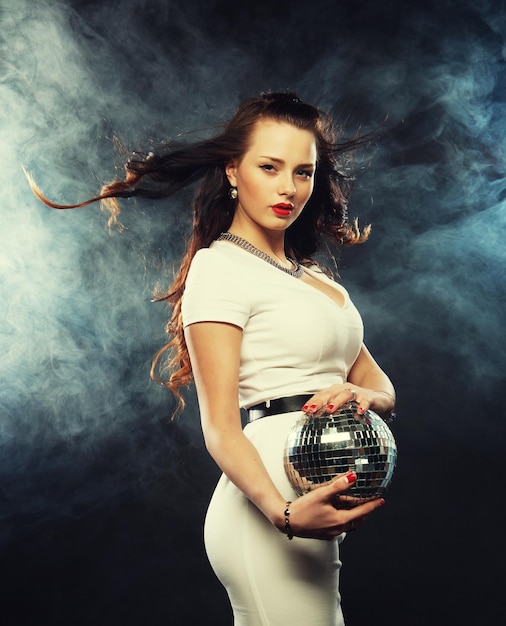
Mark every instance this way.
x=232 y=192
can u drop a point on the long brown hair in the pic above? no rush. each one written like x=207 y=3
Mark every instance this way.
x=171 y=167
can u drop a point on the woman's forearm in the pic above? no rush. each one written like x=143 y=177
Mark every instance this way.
x=368 y=374
x=238 y=458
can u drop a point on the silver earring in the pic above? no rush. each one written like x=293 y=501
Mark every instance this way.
x=232 y=192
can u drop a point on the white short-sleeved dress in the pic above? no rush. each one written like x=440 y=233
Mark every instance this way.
x=296 y=340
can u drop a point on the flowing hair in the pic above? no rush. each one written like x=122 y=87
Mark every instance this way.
x=171 y=167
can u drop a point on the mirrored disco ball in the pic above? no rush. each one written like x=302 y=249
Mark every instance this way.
x=319 y=448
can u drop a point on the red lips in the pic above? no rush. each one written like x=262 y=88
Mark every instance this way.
x=283 y=209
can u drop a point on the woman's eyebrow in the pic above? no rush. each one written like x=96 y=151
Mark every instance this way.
x=277 y=160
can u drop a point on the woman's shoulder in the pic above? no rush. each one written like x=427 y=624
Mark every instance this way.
x=215 y=289
x=321 y=271
x=215 y=263
x=224 y=256
x=217 y=252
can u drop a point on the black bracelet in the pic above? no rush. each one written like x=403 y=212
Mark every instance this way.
x=288 y=528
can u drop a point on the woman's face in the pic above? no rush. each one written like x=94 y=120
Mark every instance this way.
x=274 y=178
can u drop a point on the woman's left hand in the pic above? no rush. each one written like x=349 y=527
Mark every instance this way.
x=367 y=385
x=333 y=398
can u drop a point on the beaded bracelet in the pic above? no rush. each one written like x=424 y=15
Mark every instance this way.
x=288 y=528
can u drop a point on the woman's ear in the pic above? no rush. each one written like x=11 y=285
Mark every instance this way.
x=230 y=171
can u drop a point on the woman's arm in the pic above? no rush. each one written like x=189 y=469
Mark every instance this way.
x=215 y=352
x=215 y=356
x=371 y=386
x=367 y=375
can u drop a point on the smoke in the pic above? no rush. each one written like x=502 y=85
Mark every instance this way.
x=435 y=195
x=82 y=429
x=77 y=328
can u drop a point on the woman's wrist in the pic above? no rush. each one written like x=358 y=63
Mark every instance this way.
x=388 y=411
x=389 y=395
x=274 y=511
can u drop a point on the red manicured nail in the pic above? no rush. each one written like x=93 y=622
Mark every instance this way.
x=313 y=406
x=361 y=409
x=351 y=478
x=305 y=407
x=330 y=407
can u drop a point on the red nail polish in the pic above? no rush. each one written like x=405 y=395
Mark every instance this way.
x=313 y=406
x=305 y=407
x=330 y=407
x=351 y=478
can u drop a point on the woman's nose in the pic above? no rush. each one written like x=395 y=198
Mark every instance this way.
x=287 y=186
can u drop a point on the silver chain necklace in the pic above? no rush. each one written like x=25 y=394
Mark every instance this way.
x=246 y=245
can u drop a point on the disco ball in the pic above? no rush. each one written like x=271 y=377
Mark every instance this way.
x=319 y=448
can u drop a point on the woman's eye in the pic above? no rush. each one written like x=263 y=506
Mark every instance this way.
x=267 y=167
x=305 y=173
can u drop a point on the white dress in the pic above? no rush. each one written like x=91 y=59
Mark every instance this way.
x=296 y=340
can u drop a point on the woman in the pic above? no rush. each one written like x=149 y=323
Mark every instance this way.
x=257 y=324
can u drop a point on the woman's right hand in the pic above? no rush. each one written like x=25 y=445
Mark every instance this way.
x=314 y=515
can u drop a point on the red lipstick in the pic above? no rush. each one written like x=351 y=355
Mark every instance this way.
x=283 y=209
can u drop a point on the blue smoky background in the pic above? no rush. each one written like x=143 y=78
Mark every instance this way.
x=102 y=496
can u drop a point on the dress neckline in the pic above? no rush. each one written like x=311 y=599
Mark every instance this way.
x=317 y=275
x=320 y=276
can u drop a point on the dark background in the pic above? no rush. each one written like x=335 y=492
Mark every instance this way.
x=102 y=498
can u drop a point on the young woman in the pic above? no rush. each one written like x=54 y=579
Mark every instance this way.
x=257 y=324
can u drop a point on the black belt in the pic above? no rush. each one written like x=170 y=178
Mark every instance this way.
x=279 y=405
